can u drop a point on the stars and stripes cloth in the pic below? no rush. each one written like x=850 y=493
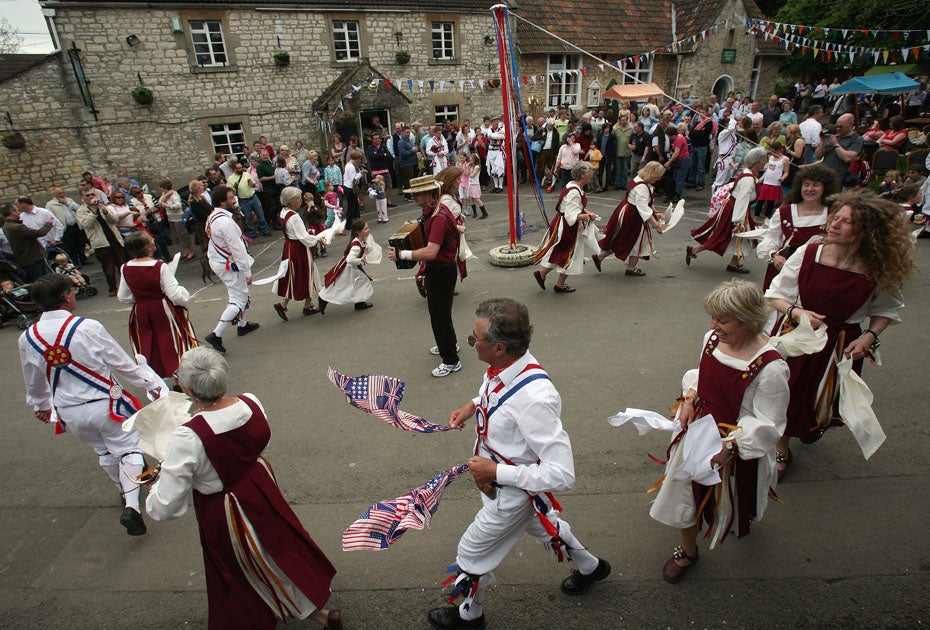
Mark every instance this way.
x=383 y=523
x=380 y=395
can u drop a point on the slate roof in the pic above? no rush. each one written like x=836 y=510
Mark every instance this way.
x=453 y=6
x=14 y=65
x=354 y=75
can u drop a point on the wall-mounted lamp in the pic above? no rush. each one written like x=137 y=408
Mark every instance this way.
x=133 y=40
x=488 y=40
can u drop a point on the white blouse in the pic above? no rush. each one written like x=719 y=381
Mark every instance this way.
x=178 y=295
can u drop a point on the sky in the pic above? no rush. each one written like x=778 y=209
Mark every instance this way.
x=26 y=17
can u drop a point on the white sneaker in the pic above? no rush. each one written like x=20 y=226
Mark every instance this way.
x=435 y=349
x=445 y=369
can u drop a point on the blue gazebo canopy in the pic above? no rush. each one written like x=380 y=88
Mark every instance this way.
x=893 y=83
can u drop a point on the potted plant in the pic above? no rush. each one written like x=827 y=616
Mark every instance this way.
x=14 y=140
x=402 y=57
x=143 y=95
x=282 y=58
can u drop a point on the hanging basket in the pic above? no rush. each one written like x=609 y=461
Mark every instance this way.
x=14 y=141
x=494 y=83
x=402 y=57
x=282 y=58
x=143 y=95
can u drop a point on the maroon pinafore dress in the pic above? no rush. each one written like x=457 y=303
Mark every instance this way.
x=295 y=285
x=717 y=232
x=625 y=226
x=794 y=238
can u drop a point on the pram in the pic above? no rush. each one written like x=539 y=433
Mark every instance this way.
x=15 y=301
x=85 y=290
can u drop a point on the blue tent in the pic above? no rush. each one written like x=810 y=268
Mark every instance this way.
x=893 y=83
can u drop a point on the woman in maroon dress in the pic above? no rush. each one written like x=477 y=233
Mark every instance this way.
x=159 y=327
x=715 y=235
x=632 y=222
x=853 y=274
x=260 y=563
x=799 y=220
x=302 y=279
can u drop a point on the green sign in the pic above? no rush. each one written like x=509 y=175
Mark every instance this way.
x=728 y=55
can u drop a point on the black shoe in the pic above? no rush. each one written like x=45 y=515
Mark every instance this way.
x=577 y=583
x=392 y=205
x=216 y=342
x=539 y=279
x=563 y=289
x=361 y=306
x=132 y=521
x=245 y=330
x=484 y=213
x=323 y=304
x=448 y=618
x=280 y=310
x=597 y=262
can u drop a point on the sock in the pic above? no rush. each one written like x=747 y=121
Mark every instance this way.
x=130 y=467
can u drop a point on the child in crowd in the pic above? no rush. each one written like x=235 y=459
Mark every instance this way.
x=463 y=165
x=594 y=156
x=890 y=184
x=331 y=173
x=548 y=181
x=65 y=267
x=474 y=187
x=776 y=172
x=378 y=192
x=331 y=201
x=315 y=220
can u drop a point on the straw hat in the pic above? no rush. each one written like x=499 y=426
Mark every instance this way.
x=422 y=184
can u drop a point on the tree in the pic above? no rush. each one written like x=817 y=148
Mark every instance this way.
x=10 y=39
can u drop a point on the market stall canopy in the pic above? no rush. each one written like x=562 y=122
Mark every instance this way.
x=893 y=83
x=633 y=91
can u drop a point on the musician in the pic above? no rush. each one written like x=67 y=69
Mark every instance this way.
x=67 y=363
x=441 y=255
x=521 y=456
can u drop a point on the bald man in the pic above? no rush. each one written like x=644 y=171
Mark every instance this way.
x=841 y=149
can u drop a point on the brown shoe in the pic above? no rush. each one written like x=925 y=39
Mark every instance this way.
x=737 y=269
x=335 y=619
x=674 y=572
x=689 y=254
x=597 y=262
x=539 y=279
x=280 y=310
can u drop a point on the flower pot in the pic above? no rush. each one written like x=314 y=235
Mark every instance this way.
x=494 y=83
x=143 y=96
x=402 y=57
x=14 y=141
x=282 y=59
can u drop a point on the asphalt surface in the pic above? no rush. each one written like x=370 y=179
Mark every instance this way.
x=845 y=549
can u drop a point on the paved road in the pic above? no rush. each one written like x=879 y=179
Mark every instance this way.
x=844 y=550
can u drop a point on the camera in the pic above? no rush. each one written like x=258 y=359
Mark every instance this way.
x=825 y=133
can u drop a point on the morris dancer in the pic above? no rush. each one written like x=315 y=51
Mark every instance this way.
x=260 y=563
x=232 y=264
x=631 y=223
x=67 y=363
x=563 y=246
x=715 y=235
x=437 y=151
x=497 y=161
x=302 y=278
x=742 y=382
x=517 y=464
x=347 y=281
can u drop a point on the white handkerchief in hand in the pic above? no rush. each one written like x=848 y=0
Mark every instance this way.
x=373 y=252
x=645 y=421
x=282 y=269
x=157 y=421
x=802 y=340
x=339 y=225
x=701 y=442
x=856 y=409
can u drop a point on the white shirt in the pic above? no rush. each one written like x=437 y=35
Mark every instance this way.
x=810 y=131
x=225 y=233
x=39 y=217
x=744 y=192
x=774 y=238
x=91 y=346
x=526 y=429
x=640 y=197
x=177 y=294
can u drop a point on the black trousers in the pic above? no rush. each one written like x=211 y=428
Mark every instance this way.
x=440 y=285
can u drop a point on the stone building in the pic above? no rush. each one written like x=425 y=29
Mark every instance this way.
x=217 y=84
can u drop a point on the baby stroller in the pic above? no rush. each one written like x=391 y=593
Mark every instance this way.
x=15 y=302
x=83 y=288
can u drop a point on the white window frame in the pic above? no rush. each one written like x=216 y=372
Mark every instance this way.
x=342 y=38
x=754 y=77
x=563 y=80
x=224 y=132
x=639 y=71
x=442 y=33
x=212 y=51
x=442 y=113
x=595 y=91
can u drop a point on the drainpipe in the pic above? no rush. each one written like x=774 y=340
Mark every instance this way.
x=677 y=54
x=49 y=15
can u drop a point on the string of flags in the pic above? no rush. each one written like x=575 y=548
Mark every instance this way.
x=797 y=37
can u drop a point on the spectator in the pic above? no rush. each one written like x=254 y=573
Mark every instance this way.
x=839 y=150
x=35 y=217
x=99 y=224
x=24 y=242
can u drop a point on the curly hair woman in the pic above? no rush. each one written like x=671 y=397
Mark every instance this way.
x=853 y=274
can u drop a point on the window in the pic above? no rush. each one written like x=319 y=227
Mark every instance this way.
x=209 y=46
x=594 y=94
x=638 y=71
x=446 y=112
x=564 y=80
x=443 y=40
x=228 y=138
x=754 y=78
x=346 y=41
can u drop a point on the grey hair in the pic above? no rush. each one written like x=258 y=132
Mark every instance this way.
x=741 y=300
x=508 y=323
x=582 y=168
x=289 y=194
x=754 y=156
x=205 y=372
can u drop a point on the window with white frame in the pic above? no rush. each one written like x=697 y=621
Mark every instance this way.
x=443 y=40
x=594 y=94
x=346 y=40
x=228 y=138
x=446 y=112
x=564 y=80
x=638 y=71
x=754 y=78
x=209 y=45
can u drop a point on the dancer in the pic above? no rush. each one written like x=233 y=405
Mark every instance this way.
x=715 y=235
x=631 y=223
x=347 y=282
x=563 y=246
x=260 y=563
x=301 y=280
x=742 y=382
x=517 y=465
x=497 y=162
x=159 y=324
x=854 y=273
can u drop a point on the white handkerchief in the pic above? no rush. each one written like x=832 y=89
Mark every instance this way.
x=173 y=265
x=339 y=225
x=675 y=216
x=802 y=340
x=700 y=444
x=373 y=252
x=157 y=421
x=282 y=269
x=644 y=420
x=757 y=233
x=856 y=409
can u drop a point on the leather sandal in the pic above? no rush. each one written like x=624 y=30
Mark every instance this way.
x=674 y=572
x=737 y=269
x=782 y=460
x=635 y=272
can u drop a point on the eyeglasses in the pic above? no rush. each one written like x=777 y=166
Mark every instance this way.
x=89 y=195
x=472 y=339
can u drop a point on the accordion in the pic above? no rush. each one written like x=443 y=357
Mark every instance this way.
x=409 y=236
